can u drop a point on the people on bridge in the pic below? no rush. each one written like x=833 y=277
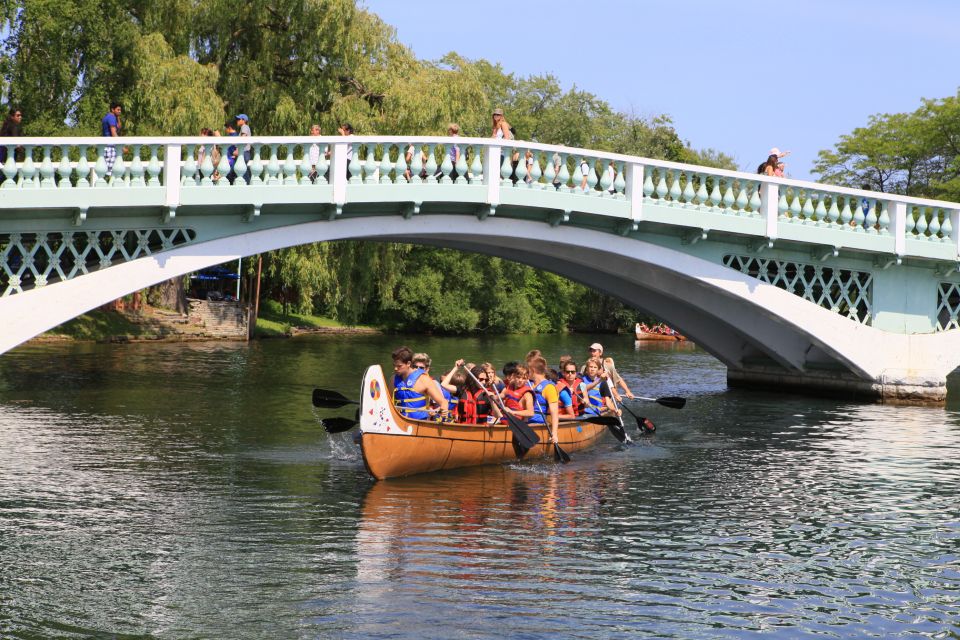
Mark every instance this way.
x=12 y=128
x=243 y=129
x=230 y=130
x=413 y=389
x=346 y=129
x=111 y=127
x=314 y=154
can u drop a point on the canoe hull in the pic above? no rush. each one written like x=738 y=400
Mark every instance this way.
x=394 y=446
x=642 y=335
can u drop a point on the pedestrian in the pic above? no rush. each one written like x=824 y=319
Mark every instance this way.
x=346 y=129
x=454 y=150
x=12 y=128
x=230 y=130
x=243 y=128
x=769 y=166
x=314 y=154
x=111 y=127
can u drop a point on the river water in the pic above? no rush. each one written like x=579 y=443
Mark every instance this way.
x=188 y=490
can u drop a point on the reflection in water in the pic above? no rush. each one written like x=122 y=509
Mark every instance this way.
x=187 y=490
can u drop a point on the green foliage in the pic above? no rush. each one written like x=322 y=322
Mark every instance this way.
x=914 y=153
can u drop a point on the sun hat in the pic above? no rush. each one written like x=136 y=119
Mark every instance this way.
x=774 y=152
x=597 y=346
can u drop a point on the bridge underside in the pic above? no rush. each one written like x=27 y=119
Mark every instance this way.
x=764 y=335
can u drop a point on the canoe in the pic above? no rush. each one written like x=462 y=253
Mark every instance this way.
x=644 y=335
x=394 y=446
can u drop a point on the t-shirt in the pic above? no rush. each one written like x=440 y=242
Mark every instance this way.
x=565 y=399
x=549 y=393
x=245 y=131
x=110 y=120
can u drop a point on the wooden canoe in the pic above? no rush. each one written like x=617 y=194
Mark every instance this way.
x=645 y=335
x=394 y=446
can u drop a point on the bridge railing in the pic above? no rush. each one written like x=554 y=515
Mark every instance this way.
x=85 y=172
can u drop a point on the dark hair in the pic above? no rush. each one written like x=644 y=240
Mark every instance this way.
x=230 y=124
x=553 y=375
x=471 y=384
x=510 y=368
x=346 y=126
x=205 y=131
x=402 y=354
x=15 y=111
x=114 y=105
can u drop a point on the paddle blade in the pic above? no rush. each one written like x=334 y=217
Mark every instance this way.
x=606 y=421
x=526 y=437
x=645 y=425
x=673 y=402
x=559 y=454
x=338 y=425
x=326 y=399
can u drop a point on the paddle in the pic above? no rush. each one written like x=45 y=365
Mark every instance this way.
x=327 y=399
x=338 y=425
x=643 y=424
x=526 y=437
x=673 y=402
x=618 y=431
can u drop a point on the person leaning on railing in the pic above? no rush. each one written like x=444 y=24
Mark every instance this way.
x=12 y=128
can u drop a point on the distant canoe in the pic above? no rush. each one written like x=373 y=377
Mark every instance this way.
x=394 y=446
x=646 y=335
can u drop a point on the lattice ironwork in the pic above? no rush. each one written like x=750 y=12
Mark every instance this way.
x=948 y=306
x=843 y=291
x=29 y=260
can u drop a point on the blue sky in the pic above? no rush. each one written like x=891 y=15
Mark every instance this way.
x=740 y=76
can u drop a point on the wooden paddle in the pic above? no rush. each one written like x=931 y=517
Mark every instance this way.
x=673 y=402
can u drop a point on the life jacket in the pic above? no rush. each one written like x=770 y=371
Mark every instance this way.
x=575 y=397
x=474 y=407
x=540 y=407
x=449 y=397
x=410 y=403
x=594 y=398
x=513 y=398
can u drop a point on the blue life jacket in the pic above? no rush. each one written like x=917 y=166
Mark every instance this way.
x=594 y=398
x=410 y=403
x=449 y=397
x=540 y=407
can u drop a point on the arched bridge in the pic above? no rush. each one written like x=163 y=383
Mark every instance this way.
x=788 y=283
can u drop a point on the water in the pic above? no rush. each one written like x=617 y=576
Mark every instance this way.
x=188 y=491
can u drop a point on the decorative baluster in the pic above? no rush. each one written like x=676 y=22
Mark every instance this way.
x=884 y=220
x=370 y=165
x=505 y=168
x=605 y=180
x=206 y=168
x=153 y=166
x=755 y=201
x=100 y=168
x=240 y=170
x=461 y=166
x=256 y=166
x=28 y=170
x=385 y=165
x=946 y=229
x=273 y=166
x=648 y=187
x=354 y=167
x=400 y=167
x=795 y=206
x=934 y=225
x=620 y=183
x=921 y=225
x=305 y=167
x=65 y=170
x=550 y=172
x=662 y=184
x=289 y=168
x=702 y=195
x=833 y=213
x=431 y=165
x=521 y=171
x=446 y=166
x=742 y=199
x=46 y=169
x=808 y=208
x=476 y=167
x=119 y=173
x=83 y=169
x=192 y=172
x=10 y=169
x=223 y=169
x=564 y=175
x=689 y=193
x=782 y=206
x=416 y=164
x=728 y=198
x=911 y=221
x=675 y=187
x=871 y=220
x=323 y=166
x=820 y=211
x=858 y=217
x=137 y=169
x=535 y=171
x=715 y=196
x=846 y=216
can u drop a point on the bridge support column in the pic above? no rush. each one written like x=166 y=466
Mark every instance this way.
x=893 y=386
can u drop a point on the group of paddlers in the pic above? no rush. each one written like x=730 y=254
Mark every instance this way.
x=530 y=390
x=659 y=329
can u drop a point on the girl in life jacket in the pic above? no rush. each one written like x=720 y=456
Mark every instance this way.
x=568 y=387
x=517 y=395
x=475 y=406
x=596 y=390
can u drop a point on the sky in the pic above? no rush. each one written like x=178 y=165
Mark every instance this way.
x=740 y=76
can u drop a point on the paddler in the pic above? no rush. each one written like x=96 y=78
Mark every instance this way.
x=545 y=398
x=412 y=387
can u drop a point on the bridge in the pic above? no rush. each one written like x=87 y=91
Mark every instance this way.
x=791 y=284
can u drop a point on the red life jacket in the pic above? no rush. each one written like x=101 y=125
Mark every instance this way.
x=563 y=384
x=473 y=408
x=513 y=398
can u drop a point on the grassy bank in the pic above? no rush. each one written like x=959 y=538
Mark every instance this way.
x=274 y=323
x=100 y=325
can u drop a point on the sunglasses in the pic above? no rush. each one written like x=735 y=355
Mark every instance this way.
x=570 y=371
